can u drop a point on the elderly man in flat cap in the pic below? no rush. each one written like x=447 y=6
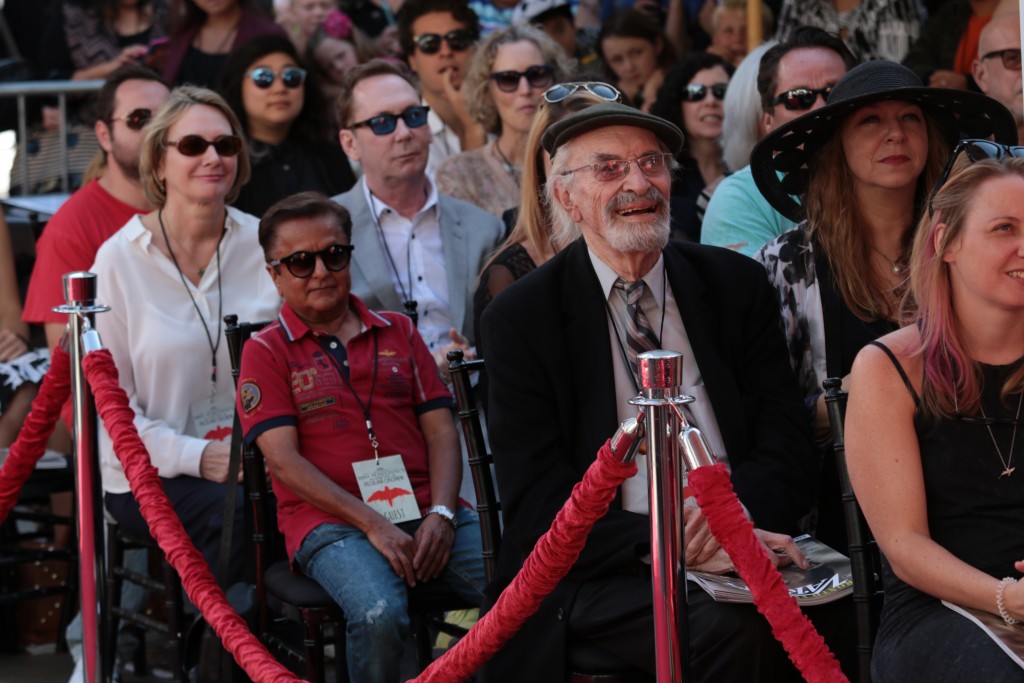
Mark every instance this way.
x=562 y=347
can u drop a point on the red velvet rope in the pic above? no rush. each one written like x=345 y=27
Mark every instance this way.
x=548 y=563
x=734 y=531
x=166 y=528
x=31 y=442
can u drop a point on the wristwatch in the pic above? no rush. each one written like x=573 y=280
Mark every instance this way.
x=445 y=512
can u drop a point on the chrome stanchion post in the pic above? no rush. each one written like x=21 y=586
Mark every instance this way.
x=81 y=307
x=660 y=381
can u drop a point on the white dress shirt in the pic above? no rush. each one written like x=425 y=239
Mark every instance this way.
x=158 y=343
x=664 y=317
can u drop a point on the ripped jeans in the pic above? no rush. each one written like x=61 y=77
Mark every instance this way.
x=341 y=559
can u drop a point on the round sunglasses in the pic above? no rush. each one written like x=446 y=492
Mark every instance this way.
x=458 y=40
x=537 y=76
x=697 y=92
x=301 y=264
x=264 y=77
x=801 y=99
x=562 y=91
x=136 y=119
x=385 y=124
x=196 y=145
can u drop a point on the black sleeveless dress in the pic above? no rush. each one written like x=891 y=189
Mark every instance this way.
x=978 y=516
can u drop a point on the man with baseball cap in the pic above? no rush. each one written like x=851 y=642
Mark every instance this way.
x=562 y=347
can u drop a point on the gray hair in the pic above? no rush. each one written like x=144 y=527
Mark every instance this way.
x=742 y=124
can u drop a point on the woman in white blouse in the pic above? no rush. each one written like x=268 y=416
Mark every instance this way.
x=169 y=277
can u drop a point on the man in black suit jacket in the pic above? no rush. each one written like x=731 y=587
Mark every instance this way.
x=559 y=380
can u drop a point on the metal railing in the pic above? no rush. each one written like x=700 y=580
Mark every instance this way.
x=61 y=89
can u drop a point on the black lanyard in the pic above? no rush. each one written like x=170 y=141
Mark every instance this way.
x=409 y=304
x=373 y=385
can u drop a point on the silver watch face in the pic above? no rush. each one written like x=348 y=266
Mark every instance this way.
x=443 y=511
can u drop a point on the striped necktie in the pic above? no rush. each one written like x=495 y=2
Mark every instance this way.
x=640 y=336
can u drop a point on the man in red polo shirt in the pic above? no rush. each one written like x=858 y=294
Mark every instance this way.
x=356 y=426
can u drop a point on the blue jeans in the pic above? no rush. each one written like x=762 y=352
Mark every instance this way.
x=373 y=597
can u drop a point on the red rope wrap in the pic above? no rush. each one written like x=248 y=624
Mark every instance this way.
x=548 y=563
x=733 y=530
x=166 y=528
x=31 y=442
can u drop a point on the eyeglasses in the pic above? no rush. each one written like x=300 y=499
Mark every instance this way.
x=696 y=92
x=458 y=40
x=616 y=169
x=292 y=77
x=301 y=264
x=537 y=76
x=136 y=118
x=557 y=93
x=801 y=99
x=196 y=145
x=976 y=150
x=986 y=421
x=1010 y=58
x=385 y=124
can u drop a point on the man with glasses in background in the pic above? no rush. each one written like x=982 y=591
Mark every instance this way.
x=125 y=104
x=419 y=252
x=357 y=430
x=561 y=363
x=438 y=38
x=794 y=78
x=997 y=69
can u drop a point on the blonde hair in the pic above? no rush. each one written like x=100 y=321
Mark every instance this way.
x=154 y=144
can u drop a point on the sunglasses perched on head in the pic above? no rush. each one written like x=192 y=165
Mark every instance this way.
x=696 y=92
x=801 y=99
x=974 y=150
x=264 y=77
x=136 y=118
x=196 y=145
x=301 y=264
x=615 y=169
x=1010 y=58
x=537 y=76
x=385 y=124
x=458 y=40
x=557 y=93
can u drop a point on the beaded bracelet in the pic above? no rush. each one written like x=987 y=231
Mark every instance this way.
x=1010 y=621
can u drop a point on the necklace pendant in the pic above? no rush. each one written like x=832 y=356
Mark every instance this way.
x=896 y=269
x=1007 y=472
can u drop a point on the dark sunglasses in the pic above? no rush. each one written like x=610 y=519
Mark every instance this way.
x=1010 y=58
x=458 y=40
x=537 y=76
x=385 y=124
x=291 y=76
x=975 y=150
x=301 y=264
x=801 y=99
x=136 y=118
x=557 y=93
x=196 y=145
x=696 y=92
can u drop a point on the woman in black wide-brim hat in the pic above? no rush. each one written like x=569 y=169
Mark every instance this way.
x=857 y=172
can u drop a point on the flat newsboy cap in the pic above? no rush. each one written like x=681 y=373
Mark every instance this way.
x=610 y=114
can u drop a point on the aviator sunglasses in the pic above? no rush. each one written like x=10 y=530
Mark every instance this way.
x=196 y=145
x=557 y=93
x=537 y=76
x=458 y=40
x=696 y=92
x=974 y=150
x=801 y=99
x=264 y=77
x=136 y=118
x=301 y=264
x=385 y=124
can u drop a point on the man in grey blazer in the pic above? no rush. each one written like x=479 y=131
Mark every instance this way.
x=418 y=251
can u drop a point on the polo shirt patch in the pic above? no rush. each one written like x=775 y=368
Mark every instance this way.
x=251 y=395
x=316 y=403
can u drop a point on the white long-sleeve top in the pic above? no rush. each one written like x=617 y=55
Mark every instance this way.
x=157 y=340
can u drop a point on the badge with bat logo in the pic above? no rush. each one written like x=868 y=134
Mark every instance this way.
x=384 y=486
